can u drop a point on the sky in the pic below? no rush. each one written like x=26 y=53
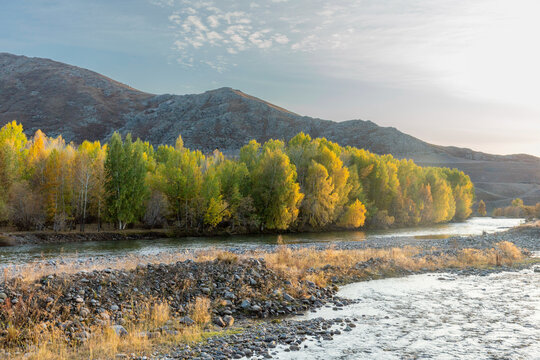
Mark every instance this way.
x=450 y=72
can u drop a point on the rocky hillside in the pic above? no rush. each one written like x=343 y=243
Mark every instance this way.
x=63 y=99
x=80 y=104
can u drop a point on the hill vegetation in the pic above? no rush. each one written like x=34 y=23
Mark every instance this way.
x=306 y=184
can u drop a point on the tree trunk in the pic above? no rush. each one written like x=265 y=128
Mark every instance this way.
x=186 y=219
x=99 y=216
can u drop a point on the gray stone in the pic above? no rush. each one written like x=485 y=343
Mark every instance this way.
x=245 y=304
x=186 y=320
x=119 y=330
x=287 y=297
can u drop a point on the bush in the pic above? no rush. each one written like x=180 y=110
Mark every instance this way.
x=156 y=210
x=25 y=208
x=199 y=311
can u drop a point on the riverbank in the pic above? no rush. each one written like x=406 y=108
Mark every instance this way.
x=31 y=261
x=124 y=307
x=51 y=237
x=9 y=237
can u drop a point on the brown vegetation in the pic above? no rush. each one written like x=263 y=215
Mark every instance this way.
x=26 y=329
x=518 y=210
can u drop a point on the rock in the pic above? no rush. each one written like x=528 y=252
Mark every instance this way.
x=205 y=291
x=229 y=295
x=229 y=320
x=287 y=297
x=245 y=304
x=114 y=307
x=3 y=296
x=256 y=308
x=220 y=322
x=119 y=330
x=79 y=299
x=186 y=320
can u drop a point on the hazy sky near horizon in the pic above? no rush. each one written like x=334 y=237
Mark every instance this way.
x=451 y=72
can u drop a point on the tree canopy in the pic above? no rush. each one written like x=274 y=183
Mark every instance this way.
x=275 y=186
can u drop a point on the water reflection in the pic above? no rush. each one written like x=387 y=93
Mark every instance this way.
x=22 y=254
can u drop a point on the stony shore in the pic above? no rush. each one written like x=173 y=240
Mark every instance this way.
x=242 y=292
x=50 y=237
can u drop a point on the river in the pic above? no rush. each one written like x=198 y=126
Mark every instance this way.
x=435 y=316
x=96 y=249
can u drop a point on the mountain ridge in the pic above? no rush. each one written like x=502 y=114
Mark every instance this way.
x=80 y=104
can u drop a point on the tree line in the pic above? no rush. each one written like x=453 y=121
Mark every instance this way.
x=305 y=184
x=517 y=209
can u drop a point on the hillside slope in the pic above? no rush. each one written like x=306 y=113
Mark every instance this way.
x=79 y=104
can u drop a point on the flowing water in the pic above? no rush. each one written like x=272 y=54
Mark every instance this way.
x=436 y=316
x=95 y=249
x=429 y=316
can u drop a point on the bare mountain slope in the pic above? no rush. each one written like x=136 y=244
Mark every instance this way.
x=81 y=104
x=62 y=99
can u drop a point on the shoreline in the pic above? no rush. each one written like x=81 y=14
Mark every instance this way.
x=250 y=294
x=17 y=238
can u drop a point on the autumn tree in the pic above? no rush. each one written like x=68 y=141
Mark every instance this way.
x=306 y=182
x=481 y=208
x=57 y=185
x=323 y=178
x=88 y=177
x=354 y=215
x=320 y=200
x=517 y=203
x=12 y=153
x=463 y=191
x=444 y=204
x=215 y=208
x=274 y=189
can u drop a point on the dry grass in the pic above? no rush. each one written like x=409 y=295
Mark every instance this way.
x=307 y=264
x=296 y=265
x=199 y=311
x=293 y=263
x=159 y=314
x=104 y=343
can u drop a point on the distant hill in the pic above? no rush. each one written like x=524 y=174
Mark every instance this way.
x=80 y=104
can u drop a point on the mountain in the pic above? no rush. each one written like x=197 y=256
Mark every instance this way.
x=80 y=104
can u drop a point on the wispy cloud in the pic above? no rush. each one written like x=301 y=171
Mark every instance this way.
x=200 y=26
x=363 y=31
x=388 y=42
